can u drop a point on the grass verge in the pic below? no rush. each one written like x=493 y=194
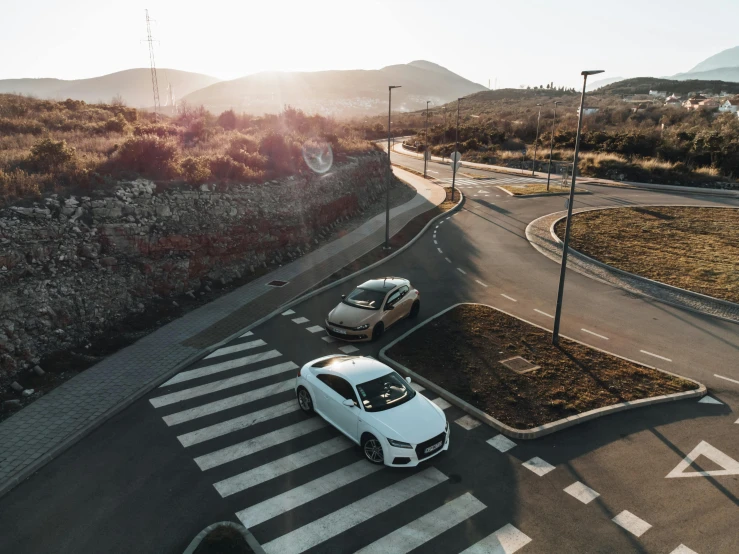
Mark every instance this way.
x=527 y=190
x=571 y=379
x=692 y=248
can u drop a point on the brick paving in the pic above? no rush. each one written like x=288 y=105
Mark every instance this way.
x=46 y=427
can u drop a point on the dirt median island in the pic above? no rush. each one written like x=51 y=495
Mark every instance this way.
x=461 y=351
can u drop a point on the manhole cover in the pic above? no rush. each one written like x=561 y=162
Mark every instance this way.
x=277 y=283
x=519 y=365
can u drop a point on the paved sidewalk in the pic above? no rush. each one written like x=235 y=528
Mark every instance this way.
x=44 y=429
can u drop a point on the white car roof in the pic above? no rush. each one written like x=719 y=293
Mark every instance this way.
x=358 y=370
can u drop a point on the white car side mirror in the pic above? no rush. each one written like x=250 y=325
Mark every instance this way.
x=408 y=379
x=349 y=403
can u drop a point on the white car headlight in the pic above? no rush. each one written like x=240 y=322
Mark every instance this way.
x=362 y=327
x=399 y=444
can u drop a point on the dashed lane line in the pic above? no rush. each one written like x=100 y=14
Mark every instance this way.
x=594 y=334
x=501 y=443
x=544 y=313
x=440 y=252
x=462 y=271
x=468 y=422
x=633 y=524
x=725 y=378
x=582 y=492
x=441 y=403
x=509 y=297
x=288 y=312
x=481 y=283
x=538 y=466
x=300 y=320
x=435 y=242
x=247 y=334
x=448 y=260
x=655 y=355
x=314 y=329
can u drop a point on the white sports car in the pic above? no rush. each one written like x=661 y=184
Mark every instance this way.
x=375 y=407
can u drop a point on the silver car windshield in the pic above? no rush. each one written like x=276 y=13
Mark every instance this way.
x=385 y=392
x=366 y=299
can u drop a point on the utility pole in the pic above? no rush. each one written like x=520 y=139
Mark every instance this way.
x=426 y=140
x=154 y=82
x=565 y=245
x=389 y=168
x=536 y=142
x=456 y=149
x=551 y=145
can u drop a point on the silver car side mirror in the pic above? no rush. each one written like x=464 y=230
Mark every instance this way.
x=408 y=380
x=349 y=403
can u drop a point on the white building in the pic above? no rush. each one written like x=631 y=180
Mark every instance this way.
x=588 y=111
x=658 y=93
x=729 y=106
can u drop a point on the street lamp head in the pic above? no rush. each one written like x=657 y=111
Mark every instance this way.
x=394 y=86
x=592 y=72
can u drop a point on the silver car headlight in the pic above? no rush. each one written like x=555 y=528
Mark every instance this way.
x=362 y=327
x=399 y=444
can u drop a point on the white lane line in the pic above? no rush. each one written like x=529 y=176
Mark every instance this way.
x=501 y=442
x=236 y=348
x=426 y=527
x=448 y=260
x=655 y=355
x=543 y=313
x=582 y=492
x=328 y=339
x=462 y=271
x=682 y=549
x=314 y=329
x=237 y=423
x=467 y=422
x=509 y=297
x=221 y=366
x=440 y=252
x=538 y=466
x=300 y=320
x=289 y=500
x=710 y=400
x=432 y=171
x=481 y=283
x=435 y=242
x=436 y=227
x=594 y=334
x=288 y=312
x=230 y=402
x=633 y=524
x=272 y=470
x=441 y=403
x=341 y=520
x=247 y=334
x=725 y=378
x=245 y=448
x=417 y=387
x=348 y=349
x=505 y=540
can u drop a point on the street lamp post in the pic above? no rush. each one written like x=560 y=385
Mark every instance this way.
x=456 y=149
x=565 y=245
x=389 y=168
x=551 y=145
x=536 y=142
x=426 y=139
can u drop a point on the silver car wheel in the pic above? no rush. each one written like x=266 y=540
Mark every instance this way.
x=373 y=451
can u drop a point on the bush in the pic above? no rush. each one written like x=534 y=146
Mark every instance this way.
x=18 y=184
x=224 y=167
x=148 y=155
x=227 y=120
x=51 y=156
x=117 y=124
x=195 y=170
x=159 y=129
x=277 y=151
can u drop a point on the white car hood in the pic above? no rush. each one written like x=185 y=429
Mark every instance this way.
x=415 y=421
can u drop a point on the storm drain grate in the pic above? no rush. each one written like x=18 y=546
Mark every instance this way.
x=519 y=364
x=277 y=283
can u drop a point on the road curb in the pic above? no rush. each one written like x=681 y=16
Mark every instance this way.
x=547 y=428
x=539 y=194
x=248 y=537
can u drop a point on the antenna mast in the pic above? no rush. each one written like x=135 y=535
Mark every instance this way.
x=154 y=82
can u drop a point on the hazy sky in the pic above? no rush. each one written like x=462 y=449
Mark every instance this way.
x=519 y=42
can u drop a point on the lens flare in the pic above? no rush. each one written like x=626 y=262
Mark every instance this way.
x=318 y=156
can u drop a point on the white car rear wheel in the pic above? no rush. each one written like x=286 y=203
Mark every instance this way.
x=305 y=401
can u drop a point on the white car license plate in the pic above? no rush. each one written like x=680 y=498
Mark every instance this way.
x=433 y=447
x=340 y=331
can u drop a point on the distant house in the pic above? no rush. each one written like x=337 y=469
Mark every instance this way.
x=640 y=107
x=673 y=101
x=729 y=106
x=658 y=93
x=708 y=104
x=588 y=111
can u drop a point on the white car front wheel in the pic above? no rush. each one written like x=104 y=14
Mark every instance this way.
x=372 y=449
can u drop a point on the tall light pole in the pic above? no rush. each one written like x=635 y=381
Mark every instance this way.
x=389 y=168
x=536 y=142
x=456 y=149
x=560 y=292
x=426 y=139
x=551 y=145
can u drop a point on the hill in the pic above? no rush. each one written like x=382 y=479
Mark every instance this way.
x=726 y=58
x=642 y=85
x=133 y=85
x=595 y=85
x=730 y=74
x=342 y=93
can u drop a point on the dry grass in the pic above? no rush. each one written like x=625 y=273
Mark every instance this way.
x=526 y=190
x=691 y=248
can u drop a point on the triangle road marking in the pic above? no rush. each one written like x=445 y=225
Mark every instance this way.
x=730 y=465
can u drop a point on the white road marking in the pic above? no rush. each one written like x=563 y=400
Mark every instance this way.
x=435 y=242
x=237 y=423
x=341 y=520
x=314 y=329
x=300 y=320
x=441 y=403
x=272 y=470
x=634 y=525
x=417 y=387
x=582 y=492
x=538 y=466
x=236 y=348
x=288 y=312
x=682 y=549
x=448 y=260
x=440 y=252
x=462 y=271
x=505 y=540
x=594 y=334
x=248 y=447
x=710 y=400
x=467 y=422
x=509 y=297
x=348 y=349
x=247 y=334
x=328 y=339
x=231 y=401
x=426 y=527
x=289 y=500
x=730 y=465
x=725 y=378
x=655 y=355
x=437 y=226
x=543 y=313
x=481 y=283
x=501 y=442
x=432 y=171
x=219 y=367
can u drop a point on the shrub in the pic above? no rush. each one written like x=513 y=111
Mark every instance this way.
x=148 y=155
x=51 y=156
x=277 y=151
x=18 y=184
x=227 y=120
x=117 y=124
x=195 y=170
x=224 y=167
x=159 y=129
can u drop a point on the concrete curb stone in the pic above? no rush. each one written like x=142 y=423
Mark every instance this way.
x=248 y=537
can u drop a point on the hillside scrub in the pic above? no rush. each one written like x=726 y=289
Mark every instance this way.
x=49 y=146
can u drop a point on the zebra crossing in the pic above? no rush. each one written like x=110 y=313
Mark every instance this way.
x=477 y=183
x=296 y=482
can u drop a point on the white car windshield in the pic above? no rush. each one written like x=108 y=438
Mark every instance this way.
x=385 y=392
x=364 y=298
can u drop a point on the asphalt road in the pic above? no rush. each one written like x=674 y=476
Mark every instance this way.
x=232 y=443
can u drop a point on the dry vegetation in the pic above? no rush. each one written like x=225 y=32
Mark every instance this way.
x=48 y=146
x=691 y=248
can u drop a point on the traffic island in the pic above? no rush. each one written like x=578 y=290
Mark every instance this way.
x=506 y=372
x=538 y=189
x=224 y=537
